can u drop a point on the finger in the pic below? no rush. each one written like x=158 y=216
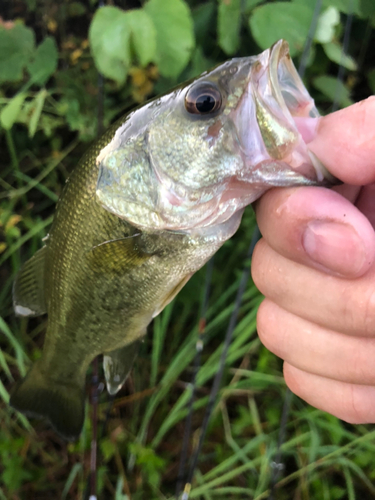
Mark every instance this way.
x=318 y=228
x=315 y=349
x=345 y=142
x=346 y=306
x=350 y=402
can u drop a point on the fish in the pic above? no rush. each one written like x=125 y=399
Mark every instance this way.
x=147 y=206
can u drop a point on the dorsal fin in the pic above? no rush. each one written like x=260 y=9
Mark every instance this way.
x=28 y=288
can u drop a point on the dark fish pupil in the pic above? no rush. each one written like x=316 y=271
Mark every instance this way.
x=205 y=103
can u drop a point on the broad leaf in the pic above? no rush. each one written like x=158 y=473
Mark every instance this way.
x=333 y=89
x=37 y=104
x=228 y=25
x=367 y=7
x=327 y=23
x=204 y=17
x=16 y=48
x=250 y=4
x=335 y=53
x=143 y=35
x=344 y=6
x=44 y=63
x=289 y=21
x=174 y=34
x=109 y=37
x=11 y=111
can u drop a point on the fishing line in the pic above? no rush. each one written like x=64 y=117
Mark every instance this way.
x=277 y=465
x=193 y=384
x=345 y=45
x=310 y=37
x=95 y=391
x=217 y=380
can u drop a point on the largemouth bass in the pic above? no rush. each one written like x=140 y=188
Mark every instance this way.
x=152 y=200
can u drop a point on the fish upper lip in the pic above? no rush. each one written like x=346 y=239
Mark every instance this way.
x=273 y=115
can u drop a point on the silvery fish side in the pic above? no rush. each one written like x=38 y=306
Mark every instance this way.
x=152 y=200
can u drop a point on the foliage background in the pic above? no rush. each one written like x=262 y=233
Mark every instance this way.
x=50 y=54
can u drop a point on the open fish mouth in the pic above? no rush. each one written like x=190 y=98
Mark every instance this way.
x=281 y=116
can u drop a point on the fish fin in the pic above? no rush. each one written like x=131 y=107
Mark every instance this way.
x=117 y=365
x=118 y=255
x=62 y=404
x=28 y=287
x=172 y=294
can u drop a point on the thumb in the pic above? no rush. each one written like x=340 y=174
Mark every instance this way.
x=345 y=143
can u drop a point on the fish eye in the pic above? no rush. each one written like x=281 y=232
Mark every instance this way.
x=203 y=99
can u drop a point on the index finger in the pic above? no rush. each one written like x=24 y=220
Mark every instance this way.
x=345 y=143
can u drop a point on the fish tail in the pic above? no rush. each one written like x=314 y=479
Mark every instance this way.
x=62 y=404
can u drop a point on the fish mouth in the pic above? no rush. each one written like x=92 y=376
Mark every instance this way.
x=281 y=117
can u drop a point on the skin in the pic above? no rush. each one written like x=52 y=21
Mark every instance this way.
x=316 y=267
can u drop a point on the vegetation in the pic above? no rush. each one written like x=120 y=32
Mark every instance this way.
x=50 y=54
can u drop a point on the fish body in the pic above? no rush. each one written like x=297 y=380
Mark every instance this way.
x=147 y=206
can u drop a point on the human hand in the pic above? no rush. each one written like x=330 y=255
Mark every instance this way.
x=316 y=266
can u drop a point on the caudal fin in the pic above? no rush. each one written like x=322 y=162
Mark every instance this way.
x=61 y=404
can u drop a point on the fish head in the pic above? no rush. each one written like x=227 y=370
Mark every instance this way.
x=197 y=155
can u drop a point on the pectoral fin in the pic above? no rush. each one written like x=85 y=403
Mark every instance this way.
x=117 y=365
x=118 y=255
x=172 y=294
x=28 y=288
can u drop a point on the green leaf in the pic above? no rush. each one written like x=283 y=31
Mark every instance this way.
x=75 y=471
x=174 y=34
x=333 y=89
x=228 y=25
x=37 y=104
x=108 y=449
x=12 y=339
x=45 y=61
x=76 y=9
x=367 y=7
x=250 y=4
x=143 y=34
x=11 y=111
x=119 y=487
x=278 y=20
x=203 y=15
x=327 y=23
x=344 y=6
x=109 y=37
x=16 y=48
x=335 y=53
